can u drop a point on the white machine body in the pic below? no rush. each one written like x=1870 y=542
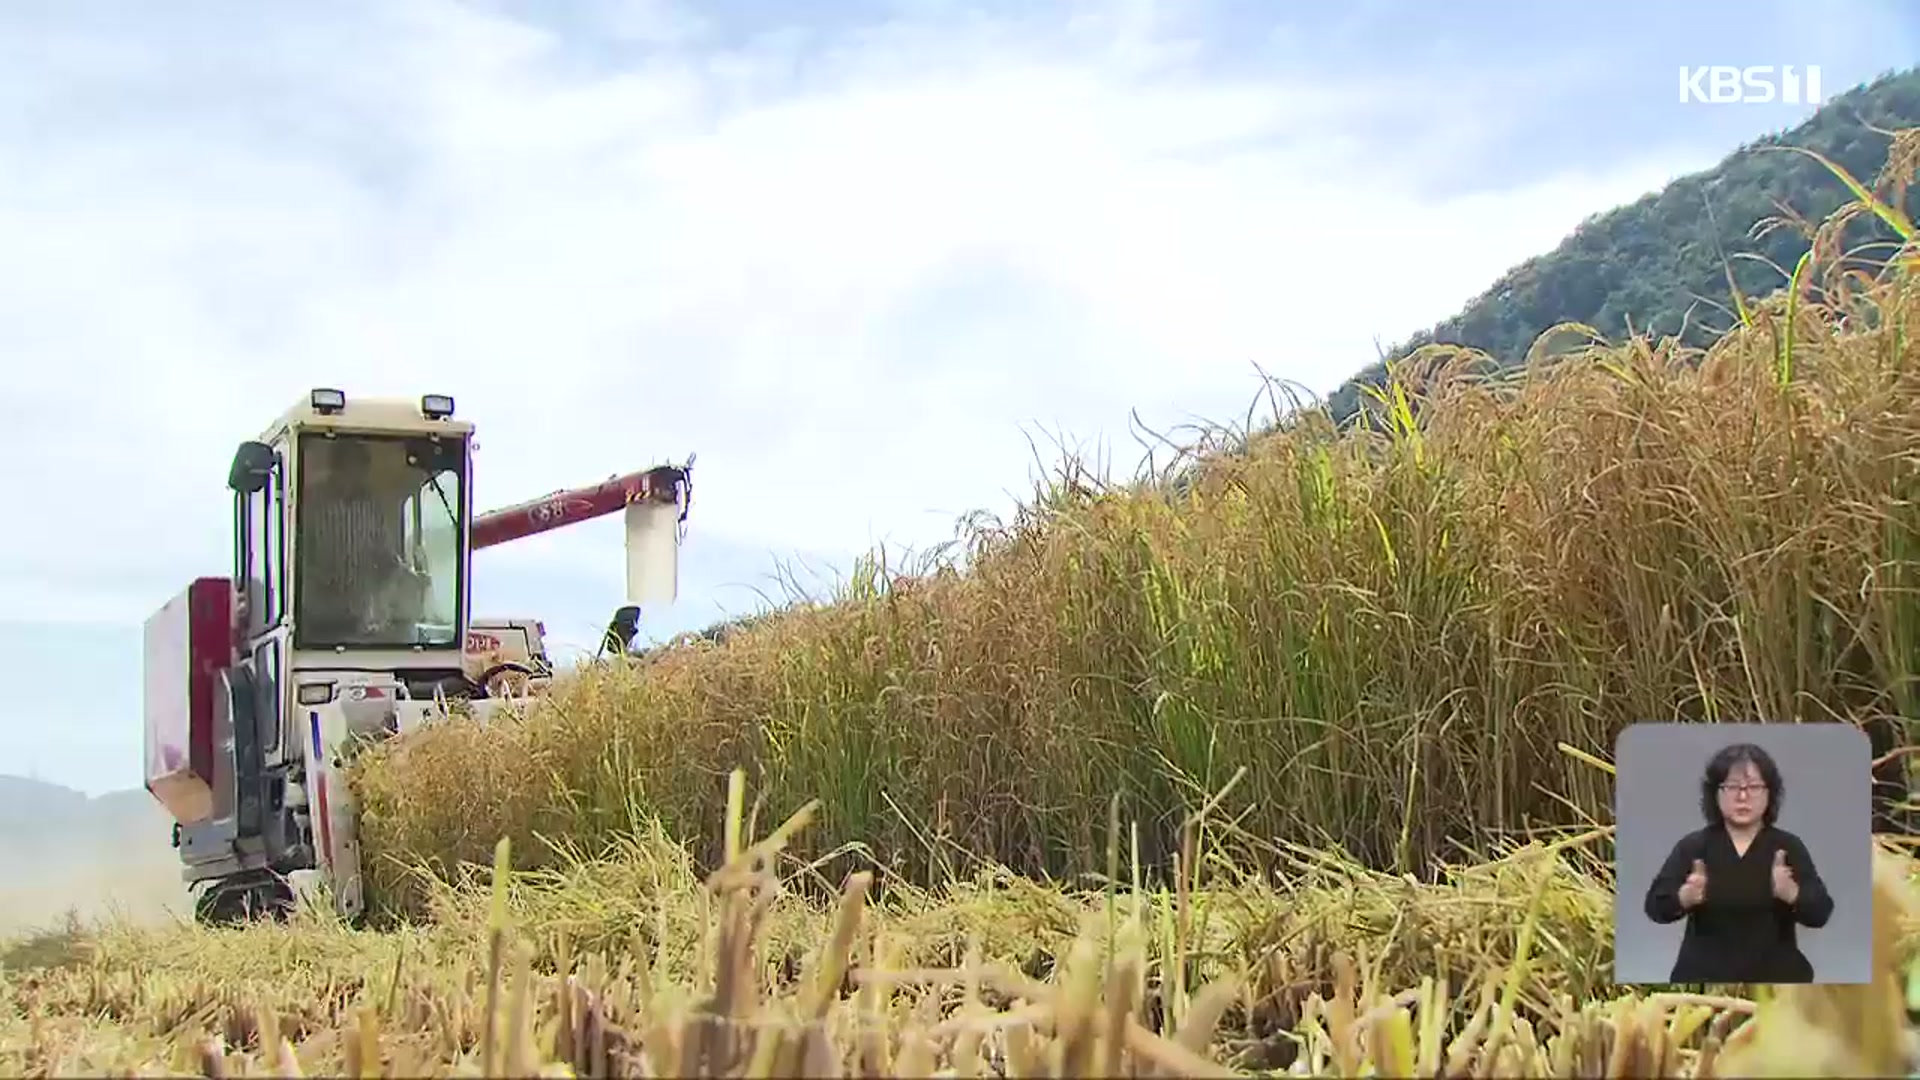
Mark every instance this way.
x=346 y=619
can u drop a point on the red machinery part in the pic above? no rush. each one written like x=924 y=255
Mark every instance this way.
x=659 y=484
x=187 y=644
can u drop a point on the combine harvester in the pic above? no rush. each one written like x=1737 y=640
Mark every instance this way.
x=353 y=535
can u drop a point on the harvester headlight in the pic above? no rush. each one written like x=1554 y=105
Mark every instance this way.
x=437 y=406
x=314 y=693
x=328 y=401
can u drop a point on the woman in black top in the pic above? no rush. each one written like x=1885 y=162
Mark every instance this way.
x=1742 y=883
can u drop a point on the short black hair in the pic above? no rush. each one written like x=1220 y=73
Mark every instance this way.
x=1723 y=763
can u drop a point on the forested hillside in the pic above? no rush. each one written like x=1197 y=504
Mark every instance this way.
x=1660 y=264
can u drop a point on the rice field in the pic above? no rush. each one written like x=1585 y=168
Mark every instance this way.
x=1293 y=763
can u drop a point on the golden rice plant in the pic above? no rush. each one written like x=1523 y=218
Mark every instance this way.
x=1391 y=630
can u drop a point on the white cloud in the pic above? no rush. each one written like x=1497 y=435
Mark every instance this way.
x=849 y=275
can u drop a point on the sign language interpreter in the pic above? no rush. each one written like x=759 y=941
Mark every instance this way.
x=1743 y=884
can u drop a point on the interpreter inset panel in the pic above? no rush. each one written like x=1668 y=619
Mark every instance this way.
x=1743 y=854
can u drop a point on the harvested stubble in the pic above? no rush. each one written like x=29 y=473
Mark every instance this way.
x=627 y=966
x=1393 y=631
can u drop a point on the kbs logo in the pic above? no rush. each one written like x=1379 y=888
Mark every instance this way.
x=1762 y=85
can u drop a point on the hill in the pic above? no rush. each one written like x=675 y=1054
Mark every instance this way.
x=1660 y=263
x=91 y=855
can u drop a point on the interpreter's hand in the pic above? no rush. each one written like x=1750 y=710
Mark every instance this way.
x=1694 y=889
x=1784 y=886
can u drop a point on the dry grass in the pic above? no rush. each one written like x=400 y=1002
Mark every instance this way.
x=632 y=966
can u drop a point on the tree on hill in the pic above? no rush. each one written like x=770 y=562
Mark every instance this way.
x=1659 y=265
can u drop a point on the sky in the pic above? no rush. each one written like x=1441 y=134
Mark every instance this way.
x=862 y=257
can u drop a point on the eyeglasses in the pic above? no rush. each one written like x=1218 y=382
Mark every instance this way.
x=1742 y=789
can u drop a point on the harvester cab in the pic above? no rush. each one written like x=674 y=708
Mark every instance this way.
x=346 y=618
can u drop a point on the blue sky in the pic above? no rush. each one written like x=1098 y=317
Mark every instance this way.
x=853 y=254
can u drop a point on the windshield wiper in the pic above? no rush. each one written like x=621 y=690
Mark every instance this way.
x=445 y=503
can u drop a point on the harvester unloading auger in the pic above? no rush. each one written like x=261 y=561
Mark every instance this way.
x=353 y=538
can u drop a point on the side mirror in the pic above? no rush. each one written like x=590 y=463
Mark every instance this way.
x=252 y=464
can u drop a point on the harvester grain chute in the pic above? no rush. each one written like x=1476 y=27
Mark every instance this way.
x=353 y=537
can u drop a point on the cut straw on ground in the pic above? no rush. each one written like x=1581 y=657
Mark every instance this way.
x=588 y=972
